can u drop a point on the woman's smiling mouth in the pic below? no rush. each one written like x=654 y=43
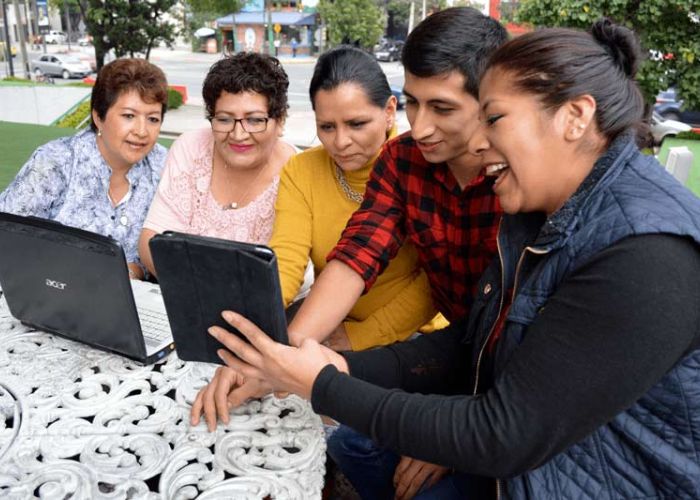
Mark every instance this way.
x=497 y=170
x=240 y=148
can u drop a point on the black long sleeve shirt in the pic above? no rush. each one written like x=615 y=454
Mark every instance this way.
x=606 y=336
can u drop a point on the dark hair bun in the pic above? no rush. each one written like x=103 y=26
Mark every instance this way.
x=620 y=43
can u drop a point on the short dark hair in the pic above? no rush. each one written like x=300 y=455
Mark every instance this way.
x=347 y=64
x=124 y=75
x=557 y=65
x=248 y=72
x=456 y=39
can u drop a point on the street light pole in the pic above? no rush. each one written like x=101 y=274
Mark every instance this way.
x=270 y=42
x=7 y=38
x=22 y=39
x=65 y=7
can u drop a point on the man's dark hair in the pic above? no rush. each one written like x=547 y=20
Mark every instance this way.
x=346 y=64
x=456 y=39
x=248 y=72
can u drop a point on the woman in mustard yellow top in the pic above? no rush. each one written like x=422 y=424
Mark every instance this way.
x=321 y=188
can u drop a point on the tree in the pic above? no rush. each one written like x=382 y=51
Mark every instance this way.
x=127 y=26
x=201 y=13
x=358 y=22
x=668 y=29
x=215 y=7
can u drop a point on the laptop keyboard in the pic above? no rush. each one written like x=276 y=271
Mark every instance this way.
x=151 y=310
x=154 y=325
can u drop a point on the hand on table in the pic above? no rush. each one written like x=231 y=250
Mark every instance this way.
x=411 y=474
x=283 y=368
x=226 y=390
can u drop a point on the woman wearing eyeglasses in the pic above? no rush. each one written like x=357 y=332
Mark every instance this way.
x=222 y=181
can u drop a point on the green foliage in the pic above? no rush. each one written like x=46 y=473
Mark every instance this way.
x=214 y=7
x=201 y=13
x=128 y=27
x=664 y=27
x=76 y=117
x=400 y=9
x=358 y=22
x=174 y=99
x=690 y=134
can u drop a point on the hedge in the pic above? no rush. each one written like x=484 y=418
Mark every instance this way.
x=75 y=118
x=174 y=99
x=690 y=134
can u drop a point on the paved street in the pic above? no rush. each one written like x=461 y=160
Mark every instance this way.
x=183 y=67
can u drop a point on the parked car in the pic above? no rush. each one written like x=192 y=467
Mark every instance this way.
x=84 y=41
x=55 y=37
x=660 y=128
x=62 y=65
x=400 y=97
x=671 y=108
x=390 y=51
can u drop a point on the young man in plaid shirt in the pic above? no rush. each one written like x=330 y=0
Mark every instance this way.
x=426 y=186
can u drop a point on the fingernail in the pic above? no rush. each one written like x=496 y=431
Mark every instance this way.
x=213 y=332
x=220 y=353
x=229 y=316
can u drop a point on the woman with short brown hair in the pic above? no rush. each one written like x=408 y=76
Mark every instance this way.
x=102 y=179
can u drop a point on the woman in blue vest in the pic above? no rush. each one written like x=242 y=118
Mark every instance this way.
x=578 y=373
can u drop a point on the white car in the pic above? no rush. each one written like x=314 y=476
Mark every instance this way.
x=660 y=128
x=55 y=37
x=61 y=65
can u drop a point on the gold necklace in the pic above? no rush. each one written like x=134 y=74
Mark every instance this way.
x=349 y=192
x=235 y=204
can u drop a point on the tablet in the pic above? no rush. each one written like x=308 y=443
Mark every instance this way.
x=200 y=277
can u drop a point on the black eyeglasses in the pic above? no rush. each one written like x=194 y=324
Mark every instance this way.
x=251 y=124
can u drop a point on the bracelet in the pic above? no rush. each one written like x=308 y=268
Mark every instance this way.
x=132 y=274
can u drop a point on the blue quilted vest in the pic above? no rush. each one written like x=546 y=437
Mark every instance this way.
x=651 y=450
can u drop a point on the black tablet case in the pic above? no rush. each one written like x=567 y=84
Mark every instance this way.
x=200 y=277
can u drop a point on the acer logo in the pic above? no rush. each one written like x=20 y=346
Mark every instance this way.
x=55 y=284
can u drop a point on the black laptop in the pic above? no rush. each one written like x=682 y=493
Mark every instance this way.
x=76 y=284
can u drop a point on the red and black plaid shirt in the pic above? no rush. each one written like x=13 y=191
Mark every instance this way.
x=454 y=230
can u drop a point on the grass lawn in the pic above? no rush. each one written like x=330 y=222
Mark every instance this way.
x=694 y=146
x=19 y=140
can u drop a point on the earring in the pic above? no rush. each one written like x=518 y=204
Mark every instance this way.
x=581 y=126
x=99 y=132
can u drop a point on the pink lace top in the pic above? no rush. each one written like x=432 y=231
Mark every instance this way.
x=184 y=202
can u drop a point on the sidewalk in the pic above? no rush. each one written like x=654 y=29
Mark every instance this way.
x=41 y=104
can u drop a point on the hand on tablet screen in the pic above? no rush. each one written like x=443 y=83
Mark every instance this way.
x=284 y=368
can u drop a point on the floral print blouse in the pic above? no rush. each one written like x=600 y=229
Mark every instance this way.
x=67 y=180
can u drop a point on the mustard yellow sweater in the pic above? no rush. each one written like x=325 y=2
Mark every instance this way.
x=311 y=213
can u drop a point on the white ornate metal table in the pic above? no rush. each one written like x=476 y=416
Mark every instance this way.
x=79 y=423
